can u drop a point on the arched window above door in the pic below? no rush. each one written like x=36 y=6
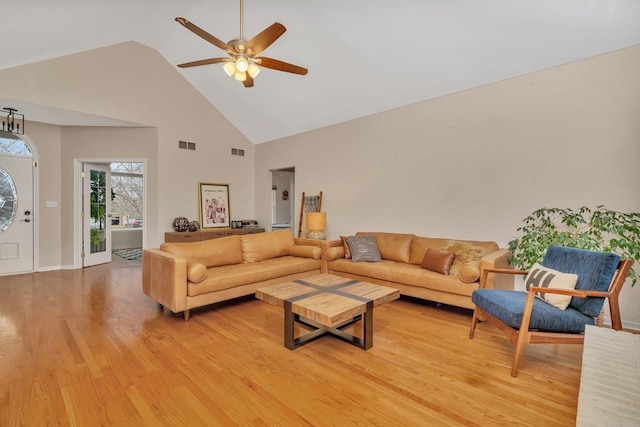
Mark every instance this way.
x=14 y=145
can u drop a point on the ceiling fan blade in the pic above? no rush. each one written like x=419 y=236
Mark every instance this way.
x=203 y=62
x=202 y=33
x=274 y=64
x=266 y=38
x=248 y=82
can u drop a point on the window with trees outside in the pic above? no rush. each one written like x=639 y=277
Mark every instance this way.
x=127 y=189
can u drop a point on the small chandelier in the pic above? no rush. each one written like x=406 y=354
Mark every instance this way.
x=14 y=122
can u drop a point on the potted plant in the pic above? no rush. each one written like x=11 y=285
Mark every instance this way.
x=598 y=229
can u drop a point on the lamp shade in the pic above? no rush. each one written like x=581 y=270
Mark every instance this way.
x=316 y=221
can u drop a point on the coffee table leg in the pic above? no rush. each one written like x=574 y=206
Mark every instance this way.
x=289 y=341
x=368 y=327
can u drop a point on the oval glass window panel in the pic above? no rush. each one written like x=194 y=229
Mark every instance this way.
x=8 y=200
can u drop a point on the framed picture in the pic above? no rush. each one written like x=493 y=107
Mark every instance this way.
x=214 y=205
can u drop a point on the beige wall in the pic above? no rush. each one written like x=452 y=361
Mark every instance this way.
x=107 y=144
x=472 y=165
x=47 y=141
x=134 y=83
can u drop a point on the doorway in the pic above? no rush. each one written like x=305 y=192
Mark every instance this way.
x=282 y=199
x=17 y=177
x=111 y=201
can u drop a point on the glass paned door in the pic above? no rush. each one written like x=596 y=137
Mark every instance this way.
x=96 y=214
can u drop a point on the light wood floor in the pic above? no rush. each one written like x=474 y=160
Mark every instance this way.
x=86 y=347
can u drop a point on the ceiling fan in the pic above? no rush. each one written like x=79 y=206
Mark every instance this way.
x=243 y=61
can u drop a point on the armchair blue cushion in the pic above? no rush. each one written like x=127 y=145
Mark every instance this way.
x=595 y=272
x=508 y=307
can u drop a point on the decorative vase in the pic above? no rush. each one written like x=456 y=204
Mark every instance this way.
x=180 y=224
x=194 y=226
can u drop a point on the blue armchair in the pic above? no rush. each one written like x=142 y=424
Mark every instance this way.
x=525 y=319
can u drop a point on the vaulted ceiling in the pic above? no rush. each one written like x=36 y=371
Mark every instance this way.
x=363 y=56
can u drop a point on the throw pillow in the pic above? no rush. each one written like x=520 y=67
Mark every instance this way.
x=196 y=272
x=544 y=277
x=464 y=253
x=470 y=272
x=345 y=245
x=363 y=248
x=439 y=262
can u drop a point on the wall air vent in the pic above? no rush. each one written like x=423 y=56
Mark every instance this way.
x=237 y=152
x=186 y=145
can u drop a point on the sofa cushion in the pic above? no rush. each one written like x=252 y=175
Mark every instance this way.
x=363 y=248
x=470 y=272
x=230 y=276
x=392 y=246
x=345 y=245
x=335 y=252
x=196 y=273
x=408 y=274
x=306 y=251
x=545 y=277
x=212 y=253
x=261 y=246
x=465 y=252
x=439 y=262
x=419 y=246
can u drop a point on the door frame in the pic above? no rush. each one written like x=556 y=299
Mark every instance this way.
x=77 y=200
x=35 y=174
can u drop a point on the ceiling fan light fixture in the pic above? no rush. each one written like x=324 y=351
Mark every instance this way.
x=229 y=68
x=240 y=76
x=253 y=70
x=242 y=64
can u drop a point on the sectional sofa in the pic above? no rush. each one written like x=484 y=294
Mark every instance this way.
x=401 y=266
x=183 y=276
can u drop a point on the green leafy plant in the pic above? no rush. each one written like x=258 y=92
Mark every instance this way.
x=598 y=229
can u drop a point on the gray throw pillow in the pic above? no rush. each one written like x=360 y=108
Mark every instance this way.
x=363 y=248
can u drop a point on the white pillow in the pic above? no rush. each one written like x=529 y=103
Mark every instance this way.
x=544 y=277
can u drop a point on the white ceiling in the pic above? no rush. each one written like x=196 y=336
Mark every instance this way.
x=363 y=56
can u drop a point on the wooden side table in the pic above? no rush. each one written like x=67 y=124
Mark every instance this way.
x=197 y=236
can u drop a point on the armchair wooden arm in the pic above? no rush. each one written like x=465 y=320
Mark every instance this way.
x=572 y=292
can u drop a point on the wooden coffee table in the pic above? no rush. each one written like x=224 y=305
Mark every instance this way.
x=327 y=303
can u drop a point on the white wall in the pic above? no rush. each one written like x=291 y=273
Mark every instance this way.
x=472 y=165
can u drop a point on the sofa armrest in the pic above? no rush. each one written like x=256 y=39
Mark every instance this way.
x=164 y=278
x=311 y=242
x=497 y=260
x=323 y=244
x=334 y=243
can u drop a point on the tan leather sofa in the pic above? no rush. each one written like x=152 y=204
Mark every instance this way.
x=400 y=268
x=182 y=276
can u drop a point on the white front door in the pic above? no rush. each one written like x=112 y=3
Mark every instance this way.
x=16 y=214
x=96 y=213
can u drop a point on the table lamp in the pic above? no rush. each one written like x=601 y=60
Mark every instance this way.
x=317 y=225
